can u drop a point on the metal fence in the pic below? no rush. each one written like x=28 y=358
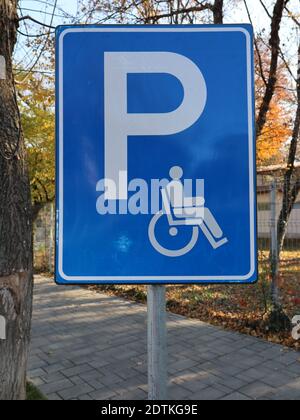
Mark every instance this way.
x=269 y=205
x=268 y=186
x=44 y=239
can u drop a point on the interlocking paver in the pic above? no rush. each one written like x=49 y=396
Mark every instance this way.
x=53 y=377
x=277 y=379
x=76 y=370
x=54 y=397
x=208 y=394
x=55 y=387
x=257 y=390
x=87 y=345
x=36 y=373
x=236 y=396
x=75 y=391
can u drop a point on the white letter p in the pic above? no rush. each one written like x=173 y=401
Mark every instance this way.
x=119 y=124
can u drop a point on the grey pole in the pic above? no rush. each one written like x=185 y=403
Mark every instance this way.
x=274 y=244
x=157 y=343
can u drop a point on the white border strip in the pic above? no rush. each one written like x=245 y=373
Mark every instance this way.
x=251 y=162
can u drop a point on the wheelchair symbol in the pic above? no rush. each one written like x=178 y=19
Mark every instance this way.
x=189 y=212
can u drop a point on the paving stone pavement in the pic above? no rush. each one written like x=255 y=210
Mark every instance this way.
x=89 y=346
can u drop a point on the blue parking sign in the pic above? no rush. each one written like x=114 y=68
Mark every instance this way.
x=155 y=155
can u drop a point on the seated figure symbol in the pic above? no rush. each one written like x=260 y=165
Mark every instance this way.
x=182 y=211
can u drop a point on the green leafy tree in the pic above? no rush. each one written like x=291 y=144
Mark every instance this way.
x=36 y=102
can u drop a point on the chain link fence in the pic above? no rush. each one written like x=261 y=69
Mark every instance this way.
x=44 y=231
x=266 y=206
x=44 y=239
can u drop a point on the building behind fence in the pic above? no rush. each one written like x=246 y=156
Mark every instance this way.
x=268 y=178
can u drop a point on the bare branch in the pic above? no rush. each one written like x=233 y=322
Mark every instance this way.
x=35 y=21
x=260 y=62
x=187 y=10
x=272 y=80
x=266 y=9
x=44 y=46
x=296 y=21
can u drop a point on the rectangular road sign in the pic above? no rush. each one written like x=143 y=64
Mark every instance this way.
x=155 y=154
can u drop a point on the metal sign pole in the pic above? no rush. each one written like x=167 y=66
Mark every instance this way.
x=157 y=343
x=274 y=245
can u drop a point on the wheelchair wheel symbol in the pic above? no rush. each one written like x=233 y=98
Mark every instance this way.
x=173 y=231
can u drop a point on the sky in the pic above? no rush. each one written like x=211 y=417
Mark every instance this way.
x=37 y=9
x=42 y=10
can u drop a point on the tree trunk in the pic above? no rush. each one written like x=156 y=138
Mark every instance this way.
x=291 y=186
x=289 y=198
x=15 y=224
x=272 y=79
x=278 y=320
x=218 y=12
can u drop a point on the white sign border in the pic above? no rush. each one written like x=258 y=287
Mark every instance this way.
x=154 y=279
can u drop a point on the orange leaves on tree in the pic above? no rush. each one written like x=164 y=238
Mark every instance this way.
x=274 y=136
x=278 y=129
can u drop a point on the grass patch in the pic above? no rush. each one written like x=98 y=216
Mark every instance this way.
x=33 y=394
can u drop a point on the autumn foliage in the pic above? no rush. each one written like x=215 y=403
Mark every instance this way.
x=278 y=128
x=36 y=101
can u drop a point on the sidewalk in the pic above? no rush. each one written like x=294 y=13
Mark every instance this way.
x=91 y=346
